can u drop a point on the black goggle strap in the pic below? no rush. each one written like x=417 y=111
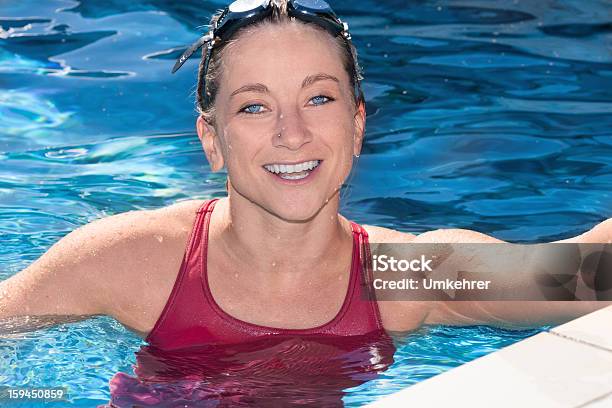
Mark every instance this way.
x=189 y=51
x=227 y=24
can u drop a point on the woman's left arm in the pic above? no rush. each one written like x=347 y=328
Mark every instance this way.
x=517 y=314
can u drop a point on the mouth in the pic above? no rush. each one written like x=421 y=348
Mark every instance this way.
x=293 y=172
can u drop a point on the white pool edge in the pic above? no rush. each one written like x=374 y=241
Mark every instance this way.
x=568 y=366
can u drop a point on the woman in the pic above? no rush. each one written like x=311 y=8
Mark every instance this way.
x=281 y=109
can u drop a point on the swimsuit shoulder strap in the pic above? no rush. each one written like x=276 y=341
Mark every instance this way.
x=186 y=285
x=361 y=236
x=366 y=277
x=207 y=206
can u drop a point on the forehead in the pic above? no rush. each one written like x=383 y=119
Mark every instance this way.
x=286 y=52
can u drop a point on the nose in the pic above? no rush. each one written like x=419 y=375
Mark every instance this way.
x=293 y=132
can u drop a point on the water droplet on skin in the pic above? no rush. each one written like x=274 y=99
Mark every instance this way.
x=273 y=264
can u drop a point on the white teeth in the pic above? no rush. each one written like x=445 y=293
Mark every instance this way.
x=292 y=168
x=293 y=176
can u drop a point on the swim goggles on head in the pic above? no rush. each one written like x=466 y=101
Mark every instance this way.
x=241 y=13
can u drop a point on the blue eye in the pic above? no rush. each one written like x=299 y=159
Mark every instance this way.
x=253 y=109
x=321 y=99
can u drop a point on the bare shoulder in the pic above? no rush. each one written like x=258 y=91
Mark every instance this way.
x=403 y=316
x=151 y=242
x=139 y=256
x=182 y=212
x=124 y=229
x=600 y=233
x=177 y=218
x=447 y=235
x=454 y=235
x=387 y=235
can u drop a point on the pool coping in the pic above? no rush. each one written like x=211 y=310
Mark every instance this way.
x=568 y=366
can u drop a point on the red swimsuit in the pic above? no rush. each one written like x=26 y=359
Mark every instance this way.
x=199 y=356
x=191 y=316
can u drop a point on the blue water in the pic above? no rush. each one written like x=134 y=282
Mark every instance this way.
x=493 y=116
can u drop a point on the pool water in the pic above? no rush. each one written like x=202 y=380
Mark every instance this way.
x=492 y=116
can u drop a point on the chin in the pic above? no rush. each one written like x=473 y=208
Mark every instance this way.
x=300 y=212
x=296 y=209
x=289 y=204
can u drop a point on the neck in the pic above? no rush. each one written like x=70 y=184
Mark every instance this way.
x=263 y=242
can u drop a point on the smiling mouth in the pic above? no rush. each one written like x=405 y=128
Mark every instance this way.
x=296 y=171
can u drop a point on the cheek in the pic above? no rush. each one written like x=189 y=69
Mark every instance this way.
x=338 y=132
x=338 y=135
x=232 y=145
x=235 y=151
x=242 y=143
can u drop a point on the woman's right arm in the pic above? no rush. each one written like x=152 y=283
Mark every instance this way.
x=73 y=280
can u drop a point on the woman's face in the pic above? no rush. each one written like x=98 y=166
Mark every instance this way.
x=284 y=99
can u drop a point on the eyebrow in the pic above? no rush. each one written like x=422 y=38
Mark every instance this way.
x=311 y=79
x=261 y=88
x=251 y=88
